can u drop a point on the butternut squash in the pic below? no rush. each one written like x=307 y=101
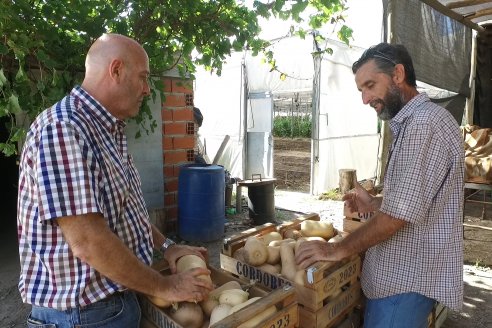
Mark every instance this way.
x=213 y=297
x=233 y=296
x=289 y=267
x=188 y=262
x=270 y=236
x=311 y=228
x=273 y=254
x=220 y=312
x=256 y=252
x=187 y=314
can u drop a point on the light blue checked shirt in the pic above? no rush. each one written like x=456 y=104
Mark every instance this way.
x=423 y=186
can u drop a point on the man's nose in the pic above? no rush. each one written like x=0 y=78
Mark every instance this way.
x=366 y=98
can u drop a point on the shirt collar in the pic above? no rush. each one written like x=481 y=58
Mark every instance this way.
x=408 y=110
x=110 y=122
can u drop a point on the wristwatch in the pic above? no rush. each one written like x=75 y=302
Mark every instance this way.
x=167 y=243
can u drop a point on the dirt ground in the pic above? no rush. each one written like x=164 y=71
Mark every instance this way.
x=477 y=309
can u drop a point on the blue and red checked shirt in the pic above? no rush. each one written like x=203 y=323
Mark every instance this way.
x=75 y=162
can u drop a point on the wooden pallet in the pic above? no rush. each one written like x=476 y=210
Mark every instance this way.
x=283 y=299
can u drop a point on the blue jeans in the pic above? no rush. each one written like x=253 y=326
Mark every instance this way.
x=409 y=310
x=117 y=311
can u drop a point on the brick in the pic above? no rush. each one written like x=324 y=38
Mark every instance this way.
x=182 y=86
x=170 y=199
x=169 y=171
x=175 y=100
x=167 y=114
x=175 y=157
x=167 y=143
x=184 y=142
x=168 y=84
x=174 y=128
x=171 y=213
x=183 y=114
x=171 y=185
x=171 y=225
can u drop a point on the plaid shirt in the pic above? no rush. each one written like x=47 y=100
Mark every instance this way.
x=75 y=162
x=424 y=186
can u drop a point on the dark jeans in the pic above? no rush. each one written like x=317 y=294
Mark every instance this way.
x=119 y=310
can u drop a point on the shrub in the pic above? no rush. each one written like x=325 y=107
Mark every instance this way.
x=293 y=127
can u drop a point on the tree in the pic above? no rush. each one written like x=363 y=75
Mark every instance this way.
x=44 y=42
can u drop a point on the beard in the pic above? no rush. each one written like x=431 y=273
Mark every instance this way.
x=391 y=104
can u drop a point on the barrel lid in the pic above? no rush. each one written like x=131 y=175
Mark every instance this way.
x=257 y=181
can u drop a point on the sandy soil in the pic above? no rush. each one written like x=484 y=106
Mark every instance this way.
x=476 y=313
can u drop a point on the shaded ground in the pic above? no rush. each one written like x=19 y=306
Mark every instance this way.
x=476 y=313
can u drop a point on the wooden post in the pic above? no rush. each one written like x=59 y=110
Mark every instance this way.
x=346 y=180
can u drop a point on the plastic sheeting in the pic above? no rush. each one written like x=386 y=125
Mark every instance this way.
x=440 y=46
x=348 y=129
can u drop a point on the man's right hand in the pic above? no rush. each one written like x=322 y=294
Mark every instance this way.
x=186 y=286
x=360 y=200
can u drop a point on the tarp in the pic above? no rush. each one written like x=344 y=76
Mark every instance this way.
x=440 y=46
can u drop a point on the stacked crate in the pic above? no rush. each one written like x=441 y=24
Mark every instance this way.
x=354 y=220
x=331 y=290
x=283 y=299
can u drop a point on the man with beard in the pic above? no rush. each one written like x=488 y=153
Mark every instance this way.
x=414 y=240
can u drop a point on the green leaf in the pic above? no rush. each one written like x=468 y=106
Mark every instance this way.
x=20 y=76
x=3 y=79
x=14 y=104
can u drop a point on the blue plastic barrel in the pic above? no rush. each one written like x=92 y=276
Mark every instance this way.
x=201 y=205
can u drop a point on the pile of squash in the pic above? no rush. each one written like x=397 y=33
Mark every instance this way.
x=275 y=254
x=221 y=302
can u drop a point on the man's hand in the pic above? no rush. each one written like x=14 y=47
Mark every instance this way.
x=361 y=201
x=186 y=286
x=174 y=252
x=310 y=252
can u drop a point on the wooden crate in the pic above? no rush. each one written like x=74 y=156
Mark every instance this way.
x=353 y=220
x=283 y=299
x=235 y=242
x=321 y=281
x=352 y=224
x=437 y=316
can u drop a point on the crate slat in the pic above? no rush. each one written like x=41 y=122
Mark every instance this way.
x=331 y=313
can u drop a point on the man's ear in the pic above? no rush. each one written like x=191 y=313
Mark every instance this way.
x=115 y=69
x=399 y=75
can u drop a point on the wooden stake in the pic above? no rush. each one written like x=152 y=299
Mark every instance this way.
x=346 y=180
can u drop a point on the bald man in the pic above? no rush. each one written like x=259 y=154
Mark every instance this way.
x=85 y=240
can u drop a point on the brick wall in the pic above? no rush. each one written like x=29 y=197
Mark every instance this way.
x=178 y=131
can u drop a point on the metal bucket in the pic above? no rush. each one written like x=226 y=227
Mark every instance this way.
x=261 y=200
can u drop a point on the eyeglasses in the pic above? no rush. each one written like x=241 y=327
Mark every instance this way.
x=382 y=56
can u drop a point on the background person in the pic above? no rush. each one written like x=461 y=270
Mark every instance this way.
x=85 y=240
x=200 y=154
x=414 y=240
